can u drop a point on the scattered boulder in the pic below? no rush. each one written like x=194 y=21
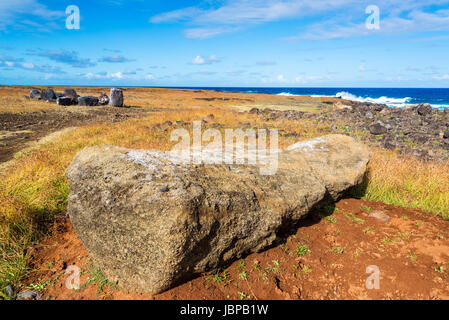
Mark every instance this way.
x=116 y=99
x=88 y=101
x=35 y=94
x=424 y=109
x=150 y=222
x=377 y=129
x=29 y=295
x=254 y=111
x=48 y=95
x=390 y=146
x=9 y=290
x=103 y=99
x=64 y=101
x=446 y=134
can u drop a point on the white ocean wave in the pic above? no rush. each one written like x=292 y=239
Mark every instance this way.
x=382 y=100
x=389 y=101
x=287 y=94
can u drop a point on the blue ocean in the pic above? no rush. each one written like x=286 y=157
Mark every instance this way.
x=393 y=97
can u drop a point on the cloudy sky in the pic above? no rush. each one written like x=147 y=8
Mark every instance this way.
x=290 y=43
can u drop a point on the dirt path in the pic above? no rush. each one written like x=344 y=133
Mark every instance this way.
x=325 y=258
x=18 y=130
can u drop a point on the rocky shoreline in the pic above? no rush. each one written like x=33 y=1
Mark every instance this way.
x=420 y=131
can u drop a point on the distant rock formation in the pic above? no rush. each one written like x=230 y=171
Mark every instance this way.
x=48 y=95
x=87 y=101
x=116 y=97
x=69 y=97
x=35 y=94
x=103 y=99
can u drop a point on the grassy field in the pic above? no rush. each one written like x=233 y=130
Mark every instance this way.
x=33 y=188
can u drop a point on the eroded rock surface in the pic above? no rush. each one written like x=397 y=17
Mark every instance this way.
x=150 y=223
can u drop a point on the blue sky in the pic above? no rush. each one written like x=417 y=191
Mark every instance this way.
x=290 y=43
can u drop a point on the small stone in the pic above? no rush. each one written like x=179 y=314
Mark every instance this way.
x=388 y=145
x=29 y=295
x=446 y=134
x=164 y=189
x=377 y=129
x=9 y=291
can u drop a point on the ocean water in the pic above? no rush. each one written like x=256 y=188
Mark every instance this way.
x=393 y=97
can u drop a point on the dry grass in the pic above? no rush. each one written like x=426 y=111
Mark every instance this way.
x=409 y=182
x=34 y=188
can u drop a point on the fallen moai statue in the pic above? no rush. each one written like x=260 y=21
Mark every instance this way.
x=150 y=223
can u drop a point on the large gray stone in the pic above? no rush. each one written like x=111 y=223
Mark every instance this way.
x=151 y=223
x=116 y=97
x=35 y=94
x=48 y=95
x=424 y=109
x=103 y=99
x=64 y=101
x=87 y=101
x=71 y=93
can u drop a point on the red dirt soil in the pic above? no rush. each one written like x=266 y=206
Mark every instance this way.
x=327 y=258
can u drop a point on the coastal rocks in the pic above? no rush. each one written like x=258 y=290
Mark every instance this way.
x=151 y=223
x=377 y=128
x=88 y=101
x=424 y=109
x=35 y=94
x=116 y=99
x=48 y=95
x=404 y=130
x=103 y=99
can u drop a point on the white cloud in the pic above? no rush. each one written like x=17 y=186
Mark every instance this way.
x=117 y=75
x=233 y=15
x=299 y=79
x=281 y=78
x=12 y=13
x=199 y=60
x=28 y=65
x=205 y=33
x=443 y=77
